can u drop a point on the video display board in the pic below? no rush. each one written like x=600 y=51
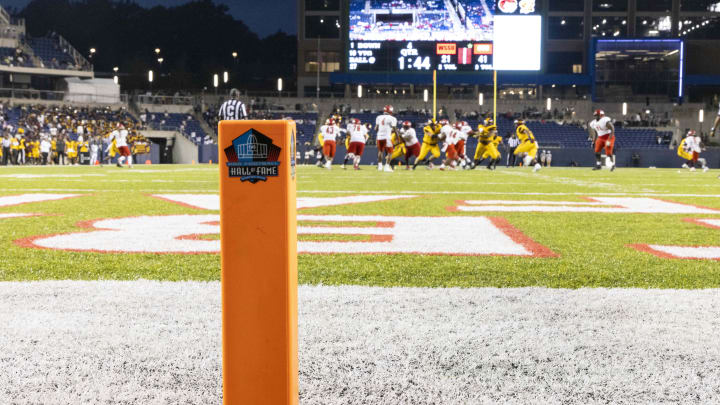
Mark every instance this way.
x=422 y=35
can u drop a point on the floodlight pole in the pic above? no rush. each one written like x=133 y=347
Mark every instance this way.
x=435 y=95
x=495 y=96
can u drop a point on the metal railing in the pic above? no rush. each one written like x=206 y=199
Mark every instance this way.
x=164 y=100
x=79 y=59
x=60 y=96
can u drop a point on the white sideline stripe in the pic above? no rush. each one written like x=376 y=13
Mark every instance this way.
x=14 y=215
x=529 y=202
x=31 y=198
x=619 y=205
x=147 y=341
x=710 y=221
x=55 y=176
x=212 y=201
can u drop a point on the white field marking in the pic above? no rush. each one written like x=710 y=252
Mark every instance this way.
x=681 y=252
x=212 y=201
x=137 y=341
x=421 y=235
x=147 y=234
x=610 y=205
x=8 y=200
x=41 y=176
x=568 y=180
x=686 y=252
x=712 y=222
x=14 y=215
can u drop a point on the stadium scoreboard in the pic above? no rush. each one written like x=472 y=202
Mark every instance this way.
x=443 y=35
x=419 y=56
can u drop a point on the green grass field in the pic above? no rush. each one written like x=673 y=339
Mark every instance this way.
x=592 y=249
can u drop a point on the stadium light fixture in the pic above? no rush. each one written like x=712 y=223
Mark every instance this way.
x=548 y=104
x=359 y=90
x=150 y=76
x=234 y=55
x=425 y=95
x=115 y=69
x=161 y=60
x=115 y=79
x=92 y=51
x=481 y=99
x=157 y=51
x=624 y=108
x=216 y=80
x=280 y=84
x=226 y=77
x=701 y=116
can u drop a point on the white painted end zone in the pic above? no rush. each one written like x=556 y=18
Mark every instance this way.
x=422 y=235
x=212 y=201
x=139 y=235
x=8 y=200
x=614 y=205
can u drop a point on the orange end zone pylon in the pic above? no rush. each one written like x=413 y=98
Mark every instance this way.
x=258 y=226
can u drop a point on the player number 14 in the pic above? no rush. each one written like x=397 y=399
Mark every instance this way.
x=420 y=63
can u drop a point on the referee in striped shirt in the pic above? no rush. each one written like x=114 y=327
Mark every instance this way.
x=233 y=109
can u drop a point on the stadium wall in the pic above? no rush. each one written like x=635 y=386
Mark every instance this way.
x=184 y=150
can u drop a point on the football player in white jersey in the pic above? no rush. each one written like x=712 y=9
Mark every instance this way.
x=451 y=135
x=329 y=132
x=357 y=137
x=465 y=131
x=122 y=146
x=409 y=139
x=385 y=124
x=602 y=132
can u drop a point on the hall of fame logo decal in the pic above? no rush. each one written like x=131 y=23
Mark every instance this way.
x=253 y=157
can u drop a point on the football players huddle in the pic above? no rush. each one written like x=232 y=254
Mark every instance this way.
x=401 y=144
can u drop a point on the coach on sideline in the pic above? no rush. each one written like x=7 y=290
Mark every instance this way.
x=233 y=109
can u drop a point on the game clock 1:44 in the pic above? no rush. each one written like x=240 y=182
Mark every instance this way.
x=417 y=63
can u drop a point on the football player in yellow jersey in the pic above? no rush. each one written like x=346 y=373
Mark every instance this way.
x=431 y=137
x=487 y=145
x=15 y=149
x=398 y=148
x=528 y=145
x=319 y=151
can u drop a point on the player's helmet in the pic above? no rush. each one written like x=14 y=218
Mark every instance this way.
x=234 y=94
x=465 y=124
x=388 y=109
x=407 y=124
x=489 y=121
x=458 y=125
x=329 y=121
x=519 y=122
x=356 y=121
x=444 y=122
x=691 y=133
x=598 y=113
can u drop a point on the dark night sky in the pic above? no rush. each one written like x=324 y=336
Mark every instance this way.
x=264 y=17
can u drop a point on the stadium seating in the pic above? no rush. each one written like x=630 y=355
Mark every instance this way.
x=186 y=124
x=51 y=53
